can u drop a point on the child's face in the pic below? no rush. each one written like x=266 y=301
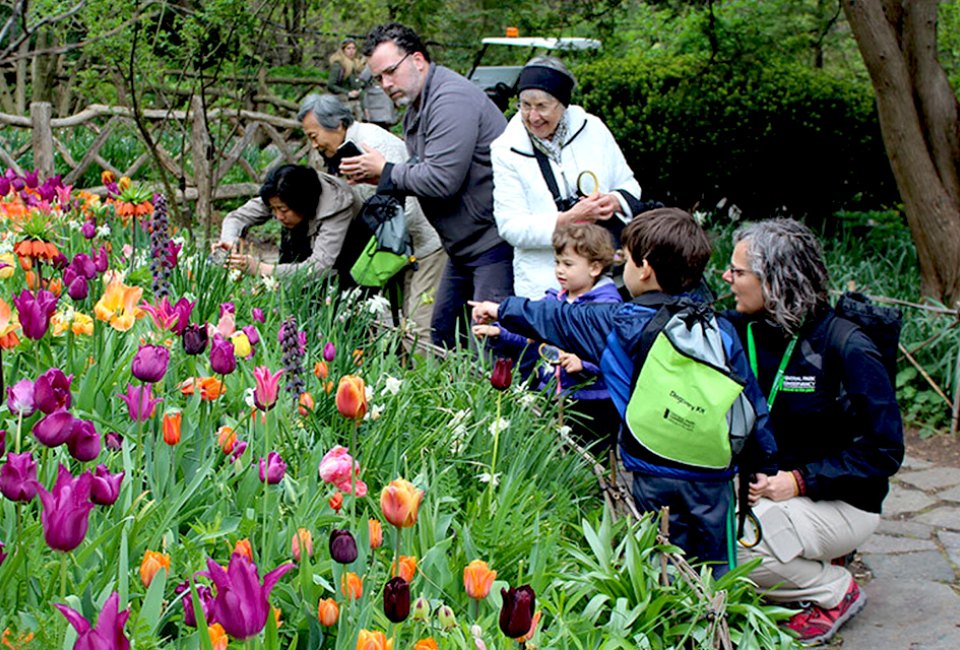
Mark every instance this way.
x=575 y=273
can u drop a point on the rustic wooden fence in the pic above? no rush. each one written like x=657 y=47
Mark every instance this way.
x=199 y=168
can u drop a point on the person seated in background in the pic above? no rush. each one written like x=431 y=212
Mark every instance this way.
x=834 y=415
x=315 y=210
x=550 y=140
x=329 y=125
x=344 y=77
x=584 y=254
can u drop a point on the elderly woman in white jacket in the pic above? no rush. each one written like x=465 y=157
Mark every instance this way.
x=572 y=142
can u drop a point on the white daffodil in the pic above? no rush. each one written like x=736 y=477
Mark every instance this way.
x=391 y=385
x=499 y=425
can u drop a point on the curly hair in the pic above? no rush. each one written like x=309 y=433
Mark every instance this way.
x=787 y=258
x=588 y=240
x=402 y=36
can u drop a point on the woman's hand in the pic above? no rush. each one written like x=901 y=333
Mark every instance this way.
x=570 y=362
x=248 y=264
x=779 y=487
x=590 y=209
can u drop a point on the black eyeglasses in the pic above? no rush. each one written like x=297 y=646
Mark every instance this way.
x=389 y=72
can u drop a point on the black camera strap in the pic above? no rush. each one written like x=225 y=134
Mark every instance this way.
x=548 y=176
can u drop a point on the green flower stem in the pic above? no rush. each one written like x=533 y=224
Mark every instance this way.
x=19 y=427
x=395 y=571
x=496 y=446
x=353 y=473
x=63 y=576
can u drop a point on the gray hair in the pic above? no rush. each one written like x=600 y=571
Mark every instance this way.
x=330 y=112
x=553 y=63
x=787 y=258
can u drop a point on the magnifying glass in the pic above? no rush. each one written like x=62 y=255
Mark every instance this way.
x=549 y=353
x=587 y=183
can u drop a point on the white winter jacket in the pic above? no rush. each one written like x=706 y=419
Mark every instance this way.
x=523 y=207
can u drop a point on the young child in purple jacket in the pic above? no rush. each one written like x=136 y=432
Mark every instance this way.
x=583 y=254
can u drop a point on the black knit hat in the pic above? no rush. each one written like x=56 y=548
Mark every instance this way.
x=547 y=79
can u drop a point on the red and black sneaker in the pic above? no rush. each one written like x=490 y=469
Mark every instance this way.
x=815 y=625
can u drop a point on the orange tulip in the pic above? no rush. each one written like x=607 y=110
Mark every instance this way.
x=533 y=628
x=336 y=501
x=376 y=533
x=151 y=564
x=276 y=616
x=328 y=387
x=301 y=539
x=408 y=567
x=425 y=644
x=244 y=548
x=321 y=370
x=306 y=404
x=55 y=286
x=351 y=397
x=328 y=612
x=368 y=640
x=477 y=579
x=357 y=357
x=226 y=438
x=22 y=641
x=400 y=502
x=351 y=585
x=210 y=387
x=171 y=427
x=218 y=637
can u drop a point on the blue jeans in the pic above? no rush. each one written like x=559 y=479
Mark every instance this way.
x=488 y=277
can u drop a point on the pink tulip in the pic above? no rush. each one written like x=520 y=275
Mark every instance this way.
x=335 y=469
x=268 y=386
x=140 y=402
x=108 y=633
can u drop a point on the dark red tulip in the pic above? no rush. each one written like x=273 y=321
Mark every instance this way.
x=106 y=486
x=516 y=615
x=396 y=599
x=502 y=374
x=18 y=477
x=343 y=547
x=51 y=391
x=195 y=339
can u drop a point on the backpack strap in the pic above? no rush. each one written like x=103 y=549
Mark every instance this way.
x=548 y=176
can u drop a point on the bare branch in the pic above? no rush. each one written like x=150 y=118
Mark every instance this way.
x=27 y=33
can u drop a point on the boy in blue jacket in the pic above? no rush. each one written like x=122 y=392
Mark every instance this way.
x=667 y=252
x=584 y=254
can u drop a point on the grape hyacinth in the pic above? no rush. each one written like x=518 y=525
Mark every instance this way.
x=293 y=344
x=160 y=261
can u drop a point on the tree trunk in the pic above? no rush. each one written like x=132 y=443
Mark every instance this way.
x=920 y=127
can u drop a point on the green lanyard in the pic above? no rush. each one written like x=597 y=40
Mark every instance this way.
x=778 y=380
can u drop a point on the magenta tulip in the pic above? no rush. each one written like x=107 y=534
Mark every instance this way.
x=3 y=556
x=268 y=386
x=272 y=468
x=140 y=402
x=106 y=486
x=55 y=429
x=84 y=266
x=183 y=309
x=241 y=604
x=3 y=442
x=35 y=312
x=239 y=447
x=329 y=351
x=4 y=186
x=257 y=315
x=227 y=308
x=88 y=229
x=31 y=179
x=20 y=399
x=18 y=477
x=150 y=363
x=223 y=361
x=252 y=334
x=206 y=602
x=101 y=260
x=66 y=510
x=108 y=633
x=114 y=441
x=84 y=443
x=78 y=289
x=51 y=391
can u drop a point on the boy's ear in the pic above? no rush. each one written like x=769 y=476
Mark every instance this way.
x=645 y=269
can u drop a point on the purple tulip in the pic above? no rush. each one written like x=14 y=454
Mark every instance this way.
x=88 y=229
x=272 y=468
x=35 y=312
x=3 y=556
x=227 y=308
x=183 y=309
x=59 y=262
x=4 y=187
x=79 y=289
x=252 y=334
x=329 y=351
x=257 y=315
x=106 y=486
x=343 y=546
x=20 y=399
x=17 y=183
x=32 y=179
x=84 y=266
x=100 y=259
x=239 y=447
x=114 y=441
x=241 y=605
x=108 y=634
x=150 y=363
x=84 y=443
x=51 y=391
x=55 y=429
x=206 y=602
x=18 y=477
x=66 y=510
x=140 y=402
x=3 y=442
x=171 y=253
x=194 y=339
x=223 y=361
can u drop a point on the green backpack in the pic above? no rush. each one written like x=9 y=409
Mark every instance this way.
x=687 y=405
x=390 y=250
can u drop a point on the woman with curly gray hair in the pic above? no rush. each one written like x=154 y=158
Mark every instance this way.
x=834 y=415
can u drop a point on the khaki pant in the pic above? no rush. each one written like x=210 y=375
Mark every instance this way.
x=800 y=537
x=419 y=289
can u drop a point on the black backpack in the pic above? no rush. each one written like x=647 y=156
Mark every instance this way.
x=882 y=325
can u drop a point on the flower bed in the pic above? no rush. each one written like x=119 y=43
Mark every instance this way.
x=196 y=460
